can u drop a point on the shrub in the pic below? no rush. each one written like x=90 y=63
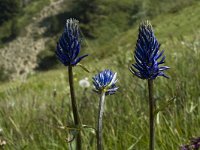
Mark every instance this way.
x=9 y=9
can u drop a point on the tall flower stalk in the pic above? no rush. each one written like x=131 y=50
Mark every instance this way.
x=148 y=59
x=104 y=84
x=100 y=122
x=68 y=48
x=151 y=115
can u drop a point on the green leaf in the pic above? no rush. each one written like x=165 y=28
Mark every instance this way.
x=133 y=145
x=89 y=128
x=83 y=67
x=163 y=106
x=73 y=131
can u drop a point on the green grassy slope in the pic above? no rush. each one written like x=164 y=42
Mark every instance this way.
x=32 y=112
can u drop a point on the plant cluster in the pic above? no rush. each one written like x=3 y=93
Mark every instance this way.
x=148 y=66
x=193 y=145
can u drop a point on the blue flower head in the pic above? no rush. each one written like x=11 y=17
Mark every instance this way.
x=68 y=46
x=147 y=56
x=105 y=81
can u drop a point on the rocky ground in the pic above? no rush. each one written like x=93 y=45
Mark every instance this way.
x=20 y=55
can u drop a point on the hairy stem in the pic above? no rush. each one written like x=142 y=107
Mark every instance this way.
x=151 y=115
x=74 y=108
x=99 y=124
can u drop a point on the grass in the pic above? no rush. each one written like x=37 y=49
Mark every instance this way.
x=32 y=112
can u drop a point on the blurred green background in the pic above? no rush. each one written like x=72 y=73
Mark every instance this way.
x=34 y=90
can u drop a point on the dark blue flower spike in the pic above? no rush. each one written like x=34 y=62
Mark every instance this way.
x=68 y=46
x=148 y=57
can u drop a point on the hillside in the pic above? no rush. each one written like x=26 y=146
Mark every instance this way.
x=20 y=55
x=33 y=112
x=43 y=21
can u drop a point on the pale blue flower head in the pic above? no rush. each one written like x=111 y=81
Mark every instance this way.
x=105 y=81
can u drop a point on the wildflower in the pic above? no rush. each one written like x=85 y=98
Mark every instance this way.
x=147 y=55
x=194 y=144
x=148 y=59
x=185 y=147
x=2 y=143
x=68 y=46
x=84 y=83
x=105 y=82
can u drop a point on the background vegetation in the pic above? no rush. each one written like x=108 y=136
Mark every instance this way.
x=33 y=112
x=15 y=15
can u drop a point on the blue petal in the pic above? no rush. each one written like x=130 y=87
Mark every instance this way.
x=78 y=60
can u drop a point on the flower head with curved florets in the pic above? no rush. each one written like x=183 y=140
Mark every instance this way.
x=68 y=46
x=105 y=81
x=147 y=55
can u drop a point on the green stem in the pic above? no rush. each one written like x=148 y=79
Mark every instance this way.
x=74 y=108
x=151 y=115
x=99 y=124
